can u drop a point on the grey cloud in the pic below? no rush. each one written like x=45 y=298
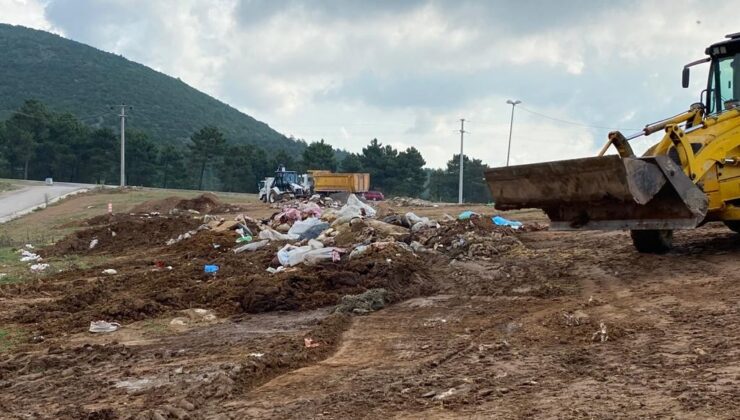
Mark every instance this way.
x=251 y=12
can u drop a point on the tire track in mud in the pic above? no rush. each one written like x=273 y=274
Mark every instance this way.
x=505 y=351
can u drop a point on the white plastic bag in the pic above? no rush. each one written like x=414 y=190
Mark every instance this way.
x=317 y=255
x=355 y=208
x=303 y=225
x=291 y=255
x=251 y=246
x=273 y=235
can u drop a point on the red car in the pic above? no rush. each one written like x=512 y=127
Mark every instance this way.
x=374 y=196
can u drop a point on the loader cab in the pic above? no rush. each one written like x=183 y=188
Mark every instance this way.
x=285 y=179
x=723 y=86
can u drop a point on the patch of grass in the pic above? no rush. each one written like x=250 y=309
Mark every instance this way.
x=155 y=327
x=16 y=271
x=6 y=278
x=10 y=337
x=7 y=186
x=8 y=256
x=74 y=261
x=11 y=266
x=47 y=226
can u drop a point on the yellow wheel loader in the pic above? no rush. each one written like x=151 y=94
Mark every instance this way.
x=690 y=177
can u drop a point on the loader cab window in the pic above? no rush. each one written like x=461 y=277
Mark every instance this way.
x=285 y=179
x=724 y=84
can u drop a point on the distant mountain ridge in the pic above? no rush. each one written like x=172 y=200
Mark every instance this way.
x=70 y=76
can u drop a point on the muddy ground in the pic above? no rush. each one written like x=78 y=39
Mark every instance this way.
x=493 y=324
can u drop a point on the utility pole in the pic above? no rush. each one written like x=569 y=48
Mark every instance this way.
x=460 y=187
x=122 y=115
x=511 y=126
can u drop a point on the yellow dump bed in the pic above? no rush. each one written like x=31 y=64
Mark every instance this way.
x=340 y=182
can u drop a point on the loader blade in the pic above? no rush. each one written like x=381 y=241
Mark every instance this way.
x=602 y=193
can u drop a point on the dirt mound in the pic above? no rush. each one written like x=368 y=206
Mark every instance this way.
x=121 y=233
x=204 y=203
x=474 y=238
x=146 y=288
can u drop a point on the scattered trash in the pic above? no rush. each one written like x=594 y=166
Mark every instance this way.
x=417 y=223
x=302 y=226
x=397 y=220
x=210 y=269
x=309 y=343
x=193 y=316
x=358 y=251
x=274 y=235
x=29 y=256
x=355 y=208
x=288 y=215
x=369 y=301
x=418 y=247
x=314 y=231
x=252 y=246
x=310 y=209
x=245 y=238
x=103 y=326
x=186 y=235
x=466 y=215
x=110 y=271
x=314 y=252
x=500 y=221
x=179 y=322
x=273 y=270
x=2 y=275
x=257 y=355
x=601 y=334
x=200 y=314
x=39 y=267
x=93 y=243
x=414 y=202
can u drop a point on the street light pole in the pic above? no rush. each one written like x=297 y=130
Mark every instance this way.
x=511 y=127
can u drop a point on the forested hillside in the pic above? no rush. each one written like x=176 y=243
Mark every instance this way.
x=68 y=76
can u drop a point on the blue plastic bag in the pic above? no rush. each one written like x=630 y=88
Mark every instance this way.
x=500 y=221
x=210 y=269
x=467 y=214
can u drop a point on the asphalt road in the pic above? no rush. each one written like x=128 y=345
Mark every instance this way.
x=28 y=197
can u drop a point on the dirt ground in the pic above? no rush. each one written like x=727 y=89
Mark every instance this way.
x=494 y=323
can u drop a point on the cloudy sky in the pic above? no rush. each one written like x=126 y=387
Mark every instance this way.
x=407 y=71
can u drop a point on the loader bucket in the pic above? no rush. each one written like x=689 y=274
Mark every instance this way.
x=602 y=193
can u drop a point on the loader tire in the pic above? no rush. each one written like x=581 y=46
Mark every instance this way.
x=274 y=197
x=734 y=225
x=652 y=241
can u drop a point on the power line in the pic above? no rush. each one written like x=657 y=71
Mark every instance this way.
x=576 y=123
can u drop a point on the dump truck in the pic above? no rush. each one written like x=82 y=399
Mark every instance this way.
x=325 y=182
x=690 y=177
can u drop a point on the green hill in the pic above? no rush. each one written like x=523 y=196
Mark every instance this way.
x=70 y=76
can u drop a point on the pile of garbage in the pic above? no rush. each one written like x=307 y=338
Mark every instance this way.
x=323 y=201
x=29 y=256
x=310 y=232
x=413 y=202
x=474 y=236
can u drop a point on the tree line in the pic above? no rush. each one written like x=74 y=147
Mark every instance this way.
x=36 y=143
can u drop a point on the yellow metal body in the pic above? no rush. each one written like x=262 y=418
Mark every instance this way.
x=709 y=152
x=340 y=182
